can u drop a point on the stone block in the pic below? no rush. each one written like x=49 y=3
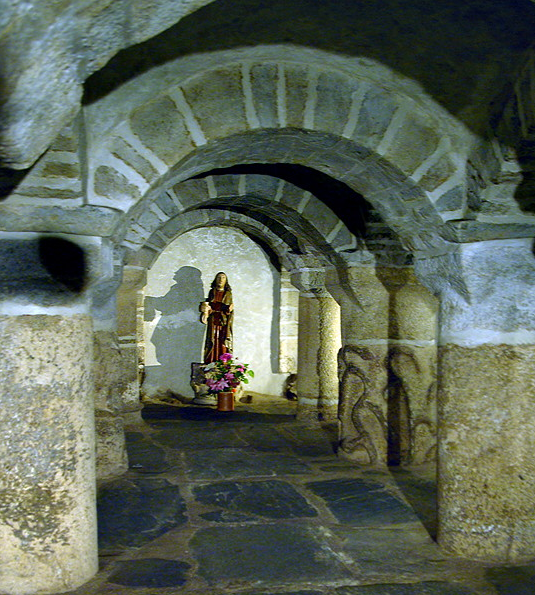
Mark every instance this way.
x=217 y=101
x=161 y=127
x=376 y=112
x=111 y=455
x=413 y=142
x=125 y=152
x=320 y=216
x=115 y=187
x=486 y=441
x=452 y=200
x=167 y=205
x=296 y=81
x=437 y=174
x=334 y=93
x=264 y=80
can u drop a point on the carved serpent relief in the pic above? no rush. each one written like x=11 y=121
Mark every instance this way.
x=387 y=408
x=362 y=421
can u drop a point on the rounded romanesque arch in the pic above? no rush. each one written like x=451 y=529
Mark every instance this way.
x=305 y=110
x=175 y=226
x=298 y=218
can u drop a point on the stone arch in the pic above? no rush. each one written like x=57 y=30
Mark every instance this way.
x=346 y=125
x=149 y=251
x=280 y=205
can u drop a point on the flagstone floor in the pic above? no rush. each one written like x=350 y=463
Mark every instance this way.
x=253 y=502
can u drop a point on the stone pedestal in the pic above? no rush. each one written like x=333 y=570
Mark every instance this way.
x=47 y=505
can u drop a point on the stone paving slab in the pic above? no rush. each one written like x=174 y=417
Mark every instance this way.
x=359 y=502
x=143 y=455
x=151 y=572
x=179 y=438
x=422 y=588
x=266 y=554
x=513 y=580
x=133 y=512
x=404 y=552
x=264 y=438
x=231 y=463
x=273 y=499
x=159 y=413
x=307 y=592
x=226 y=521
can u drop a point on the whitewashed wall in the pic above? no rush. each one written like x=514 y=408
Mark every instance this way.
x=180 y=279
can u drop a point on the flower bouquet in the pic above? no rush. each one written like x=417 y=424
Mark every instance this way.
x=226 y=374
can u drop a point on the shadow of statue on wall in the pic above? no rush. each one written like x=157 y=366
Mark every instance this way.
x=178 y=335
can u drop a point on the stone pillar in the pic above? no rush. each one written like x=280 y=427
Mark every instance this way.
x=364 y=305
x=110 y=384
x=412 y=360
x=318 y=345
x=47 y=478
x=129 y=306
x=486 y=437
x=289 y=323
x=329 y=345
x=307 y=359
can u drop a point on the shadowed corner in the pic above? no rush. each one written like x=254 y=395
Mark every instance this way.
x=65 y=262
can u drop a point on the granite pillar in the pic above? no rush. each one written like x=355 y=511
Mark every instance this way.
x=48 y=527
x=129 y=319
x=329 y=345
x=47 y=508
x=486 y=403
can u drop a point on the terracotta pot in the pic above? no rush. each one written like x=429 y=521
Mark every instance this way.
x=225 y=401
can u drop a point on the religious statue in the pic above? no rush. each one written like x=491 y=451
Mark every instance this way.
x=217 y=313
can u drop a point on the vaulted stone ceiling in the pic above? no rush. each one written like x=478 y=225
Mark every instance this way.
x=419 y=110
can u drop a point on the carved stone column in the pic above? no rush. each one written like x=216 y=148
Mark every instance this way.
x=486 y=436
x=47 y=453
x=362 y=364
x=412 y=361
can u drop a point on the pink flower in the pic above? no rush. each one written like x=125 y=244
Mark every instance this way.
x=220 y=385
x=229 y=376
x=225 y=357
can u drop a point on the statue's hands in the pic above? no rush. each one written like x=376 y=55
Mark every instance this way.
x=205 y=310
x=231 y=308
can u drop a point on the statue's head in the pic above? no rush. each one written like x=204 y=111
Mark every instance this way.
x=221 y=282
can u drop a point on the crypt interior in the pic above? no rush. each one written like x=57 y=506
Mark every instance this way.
x=364 y=172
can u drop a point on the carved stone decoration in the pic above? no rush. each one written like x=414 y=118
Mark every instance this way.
x=362 y=410
x=411 y=405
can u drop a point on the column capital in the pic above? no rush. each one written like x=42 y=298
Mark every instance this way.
x=486 y=292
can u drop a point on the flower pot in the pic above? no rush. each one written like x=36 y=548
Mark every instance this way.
x=225 y=401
